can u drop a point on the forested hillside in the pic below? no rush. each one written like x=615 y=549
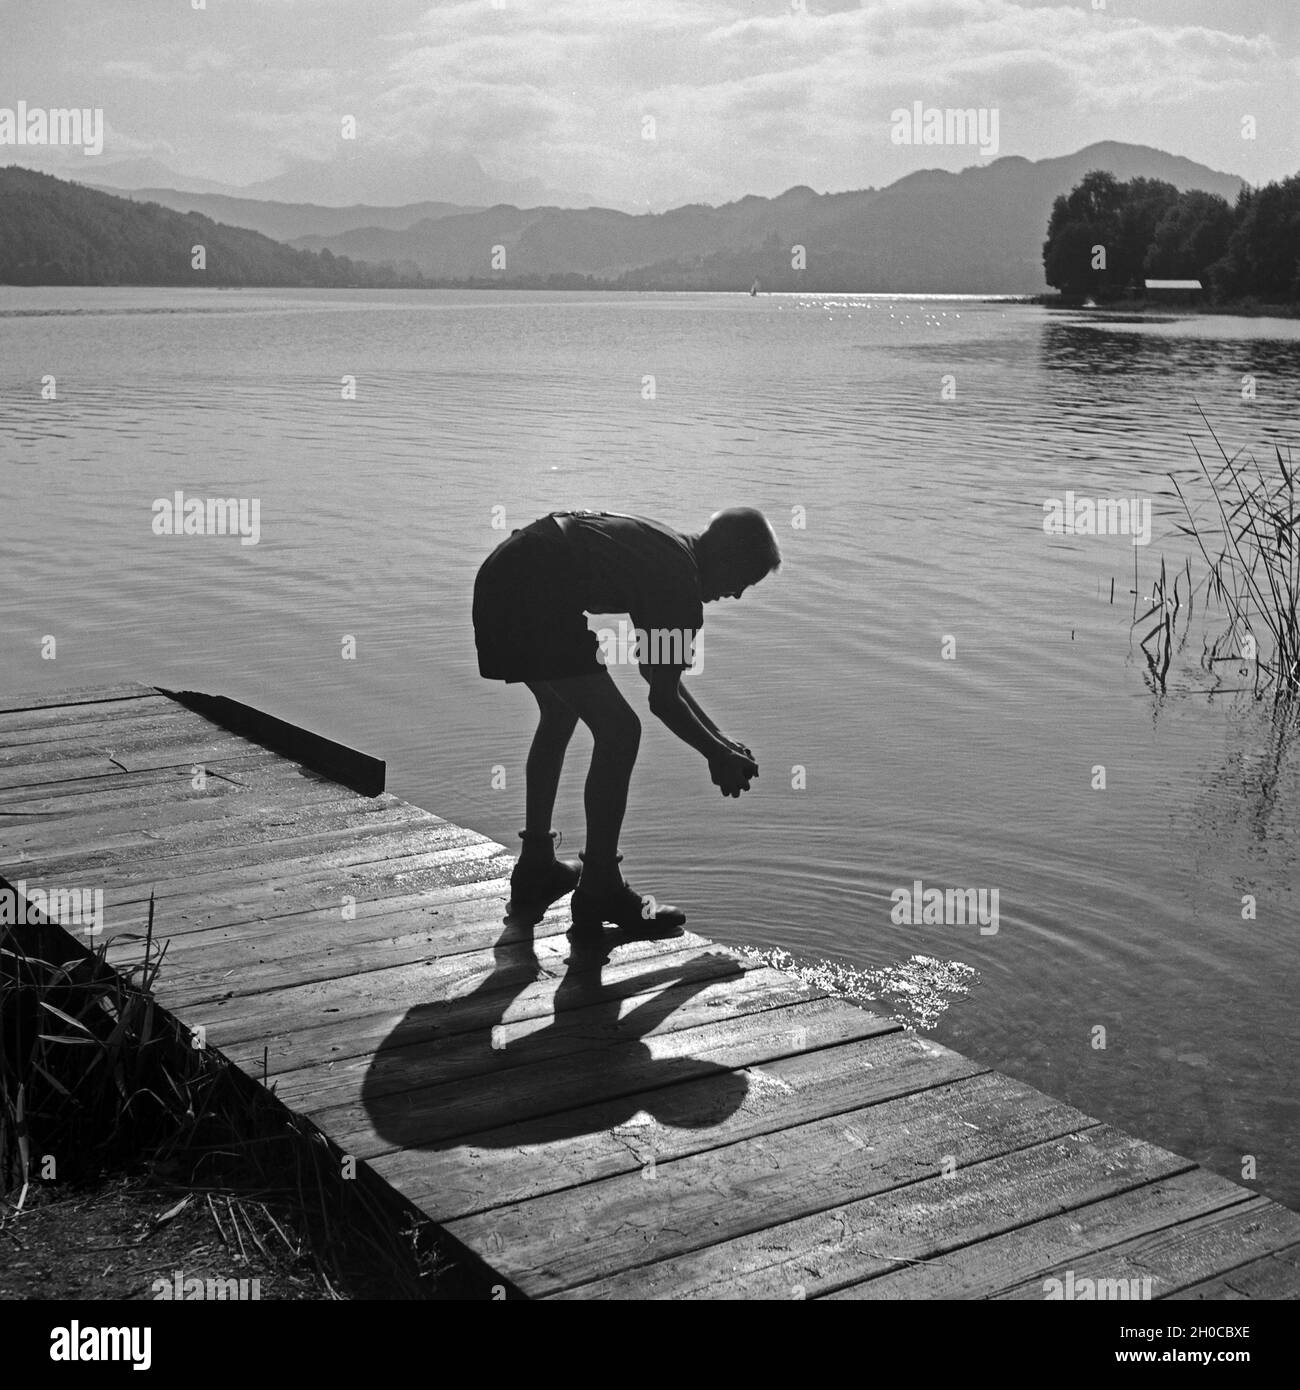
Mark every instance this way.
x=53 y=232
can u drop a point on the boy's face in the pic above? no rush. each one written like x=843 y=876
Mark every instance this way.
x=728 y=577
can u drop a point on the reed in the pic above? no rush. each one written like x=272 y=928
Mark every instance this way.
x=1251 y=552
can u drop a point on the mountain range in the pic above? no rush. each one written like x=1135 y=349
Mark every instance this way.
x=977 y=231
x=290 y=221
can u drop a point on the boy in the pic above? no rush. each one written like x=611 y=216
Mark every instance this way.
x=531 y=598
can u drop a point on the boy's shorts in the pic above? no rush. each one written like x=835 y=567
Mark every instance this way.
x=529 y=623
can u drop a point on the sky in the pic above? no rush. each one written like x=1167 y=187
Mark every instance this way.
x=636 y=104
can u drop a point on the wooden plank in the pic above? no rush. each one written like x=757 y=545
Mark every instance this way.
x=322 y=880
x=221 y=973
x=475 y=873
x=349 y=766
x=182 y=752
x=169 y=782
x=119 y=851
x=54 y=721
x=992 y=1265
x=1274 y=1276
x=850 y=1238
x=91 y=694
x=474 y=980
x=462 y=917
x=103 y=840
x=400 y=1066
x=336 y=1037
x=1182 y=1256
x=312 y=855
x=137 y=744
x=516 y=1163
x=265 y=783
x=451 y=921
x=434 y=1116
x=600 y=1229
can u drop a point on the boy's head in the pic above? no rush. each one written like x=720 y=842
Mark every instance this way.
x=736 y=549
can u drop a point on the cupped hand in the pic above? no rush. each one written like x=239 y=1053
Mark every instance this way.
x=732 y=772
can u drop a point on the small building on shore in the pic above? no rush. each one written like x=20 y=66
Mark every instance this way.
x=1174 y=291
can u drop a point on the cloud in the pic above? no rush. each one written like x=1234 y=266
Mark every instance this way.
x=746 y=95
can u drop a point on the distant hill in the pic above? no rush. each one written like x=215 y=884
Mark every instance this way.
x=53 y=232
x=980 y=230
x=289 y=221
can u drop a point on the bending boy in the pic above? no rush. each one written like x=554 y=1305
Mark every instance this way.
x=531 y=598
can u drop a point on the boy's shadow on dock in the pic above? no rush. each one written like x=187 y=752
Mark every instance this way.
x=456 y=1068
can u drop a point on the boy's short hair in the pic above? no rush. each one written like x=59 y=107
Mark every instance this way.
x=745 y=531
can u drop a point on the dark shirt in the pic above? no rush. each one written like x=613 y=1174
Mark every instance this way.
x=632 y=565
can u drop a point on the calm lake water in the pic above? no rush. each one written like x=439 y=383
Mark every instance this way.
x=923 y=519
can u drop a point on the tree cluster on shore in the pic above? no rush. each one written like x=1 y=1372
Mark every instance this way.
x=1106 y=237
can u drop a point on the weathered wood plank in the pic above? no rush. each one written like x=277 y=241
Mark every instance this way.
x=1184 y=1255
x=262 y=888
x=481 y=875
x=400 y=1066
x=517 y=1163
x=139 y=744
x=168 y=783
x=464 y=991
x=338 y=1031
x=265 y=784
x=435 y=1116
x=1029 y=1252
x=311 y=855
x=603 y=1228
x=346 y=765
x=55 y=721
x=463 y=917
x=849 y=1239
x=229 y=844
x=103 y=839
x=1275 y=1276
x=91 y=694
x=221 y=973
x=188 y=750
x=281 y=953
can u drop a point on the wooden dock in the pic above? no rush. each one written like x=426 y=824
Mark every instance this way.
x=631 y=1119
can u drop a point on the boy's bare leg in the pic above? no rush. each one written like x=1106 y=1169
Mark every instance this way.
x=616 y=731
x=555 y=726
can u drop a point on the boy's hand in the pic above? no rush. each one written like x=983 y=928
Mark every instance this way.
x=732 y=772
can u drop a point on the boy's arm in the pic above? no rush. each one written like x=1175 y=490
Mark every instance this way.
x=676 y=709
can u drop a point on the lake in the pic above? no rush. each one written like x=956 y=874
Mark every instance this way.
x=930 y=684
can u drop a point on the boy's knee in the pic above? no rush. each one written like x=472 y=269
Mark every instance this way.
x=623 y=731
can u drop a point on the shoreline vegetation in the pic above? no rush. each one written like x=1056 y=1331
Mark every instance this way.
x=121 y=1131
x=1169 y=308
